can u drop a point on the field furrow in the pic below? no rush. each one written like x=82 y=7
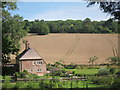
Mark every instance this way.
x=74 y=48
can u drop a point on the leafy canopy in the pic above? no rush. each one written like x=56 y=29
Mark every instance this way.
x=12 y=31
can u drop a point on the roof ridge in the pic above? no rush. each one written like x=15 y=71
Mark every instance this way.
x=30 y=53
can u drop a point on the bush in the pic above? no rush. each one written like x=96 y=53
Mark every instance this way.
x=21 y=85
x=103 y=71
x=56 y=79
x=33 y=76
x=45 y=84
x=104 y=80
x=70 y=66
x=1 y=77
x=116 y=83
x=112 y=71
x=7 y=83
x=32 y=85
x=48 y=74
x=55 y=71
x=23 y=74
x=118 y=73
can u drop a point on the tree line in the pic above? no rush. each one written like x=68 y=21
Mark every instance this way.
x=72 y=26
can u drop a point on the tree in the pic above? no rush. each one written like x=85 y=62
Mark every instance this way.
x=87 y=26
x=12 y=31
x=114 y=60
x=92 y=59
x=111 y=25
x=113 y=8
x=43 y=28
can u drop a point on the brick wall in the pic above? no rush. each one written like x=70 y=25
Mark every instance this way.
x=33 y=66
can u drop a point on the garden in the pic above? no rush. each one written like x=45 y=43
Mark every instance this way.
x=66 y=76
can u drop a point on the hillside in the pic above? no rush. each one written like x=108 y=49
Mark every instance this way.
x=74 y=48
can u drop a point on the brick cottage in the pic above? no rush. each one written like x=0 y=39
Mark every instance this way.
x=31 y=61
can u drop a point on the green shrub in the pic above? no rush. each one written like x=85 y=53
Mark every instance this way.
x=32 y=85
x=23 y=74
x=7 y=83
x=48 y=74
x=17 y=74
x=70 y=66
x=47 y=83
x=33 y=76
x=112 y=71
x=1 y=77
x=103 y=80
x=55 y=79
x=116 y=83
x=41 y=84
x=21 y=85
x=103 y=71
x=60 y=85
x=55 y=71
x=118 y=73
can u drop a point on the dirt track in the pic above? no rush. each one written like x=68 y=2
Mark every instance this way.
x=74 y=48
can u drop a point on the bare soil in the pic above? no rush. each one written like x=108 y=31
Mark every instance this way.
x=74 y=48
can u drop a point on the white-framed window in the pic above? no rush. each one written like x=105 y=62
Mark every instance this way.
x=39 y=70
x=39 y=62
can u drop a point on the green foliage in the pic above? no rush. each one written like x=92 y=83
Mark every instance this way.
x=72 y=26
x=118 y=73
x=116 y=83
x=70 y=66
x=20 y=85
x=84 y=71
x=104 y=80
x=39 y=27
x=57 y=71
x=114 y=60
x=87 y=26
x=87 y=67
x=103 y=71
x=46 y=83
x=23 y=74
x=7 y=83
x=108 y=7
x=112 y=71
x=33 y=76
x=1 y=77
x=43 y=28
x=12 y=31
x=92 y=59
x=32 y=85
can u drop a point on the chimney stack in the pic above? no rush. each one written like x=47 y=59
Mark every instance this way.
x=27 y=45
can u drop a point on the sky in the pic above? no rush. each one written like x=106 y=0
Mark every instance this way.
x=50 y=11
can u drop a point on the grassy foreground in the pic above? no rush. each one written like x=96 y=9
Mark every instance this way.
x=84 y=71
x=62 y=84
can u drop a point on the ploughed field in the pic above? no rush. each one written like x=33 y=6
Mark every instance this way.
x=74 y=48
